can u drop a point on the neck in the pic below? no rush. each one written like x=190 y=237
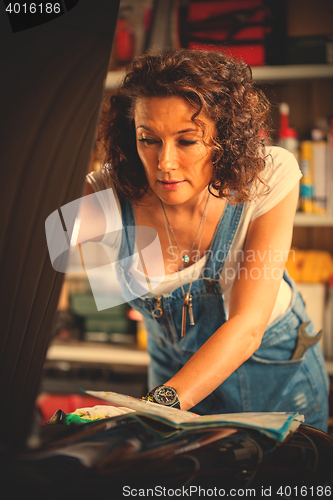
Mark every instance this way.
x=190 y=206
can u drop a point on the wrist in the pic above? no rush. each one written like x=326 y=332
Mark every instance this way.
x=184 y=392
x=164 y=395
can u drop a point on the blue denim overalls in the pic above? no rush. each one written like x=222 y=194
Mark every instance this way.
x=269 y=380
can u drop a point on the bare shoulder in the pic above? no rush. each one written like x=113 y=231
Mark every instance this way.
x=88 y=189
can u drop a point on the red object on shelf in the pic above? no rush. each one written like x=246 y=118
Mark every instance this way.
x=48 y=404
x=124 y=42
x=284 y=130
x=236 y=26
x=252 y=55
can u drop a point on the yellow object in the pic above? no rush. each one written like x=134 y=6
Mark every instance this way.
x=306 y=164
x=310 y=266
x=141 y=336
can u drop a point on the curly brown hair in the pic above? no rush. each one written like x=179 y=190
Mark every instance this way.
x=213 y=83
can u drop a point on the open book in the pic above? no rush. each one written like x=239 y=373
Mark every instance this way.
x=276 y=425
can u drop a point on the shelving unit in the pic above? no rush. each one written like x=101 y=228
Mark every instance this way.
x=268 y=74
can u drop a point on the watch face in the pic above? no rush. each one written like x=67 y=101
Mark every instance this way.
x=165 y=395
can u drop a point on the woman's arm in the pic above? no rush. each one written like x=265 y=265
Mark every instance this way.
x=251 y=304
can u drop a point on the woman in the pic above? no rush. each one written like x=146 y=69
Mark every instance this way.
x=184 y=142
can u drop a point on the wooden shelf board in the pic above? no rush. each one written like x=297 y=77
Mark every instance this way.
x=270 y=74
x=296 y=72
x=312 y=220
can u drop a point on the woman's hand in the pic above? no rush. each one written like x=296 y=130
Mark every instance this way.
x=251 y=303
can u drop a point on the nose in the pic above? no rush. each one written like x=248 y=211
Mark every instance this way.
x=167 y=158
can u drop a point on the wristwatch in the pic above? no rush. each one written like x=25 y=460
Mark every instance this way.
x=164 y=395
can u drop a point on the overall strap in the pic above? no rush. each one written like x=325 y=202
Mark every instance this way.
x=222 y=241
x=129 y=233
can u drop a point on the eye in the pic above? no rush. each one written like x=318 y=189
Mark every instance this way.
x=148 y=142
x=183 y=142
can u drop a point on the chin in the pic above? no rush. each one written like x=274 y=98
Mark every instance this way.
x=173 y=197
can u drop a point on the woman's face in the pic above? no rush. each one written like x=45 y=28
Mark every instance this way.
x=171 y=147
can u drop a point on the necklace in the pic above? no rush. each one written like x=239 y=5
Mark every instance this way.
x=187 y=305
x=186 y=257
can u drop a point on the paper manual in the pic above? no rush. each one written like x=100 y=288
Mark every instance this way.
x=277 y=425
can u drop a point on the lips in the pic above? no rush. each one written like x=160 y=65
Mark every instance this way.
x=170 y=184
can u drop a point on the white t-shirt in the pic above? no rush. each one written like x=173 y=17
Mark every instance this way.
x=281 y=174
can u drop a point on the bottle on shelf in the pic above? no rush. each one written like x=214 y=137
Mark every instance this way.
x=287 y=135
x=321 y=175
x=306 y=192
x=328 y=322
x=316 y=183
x=330 y=169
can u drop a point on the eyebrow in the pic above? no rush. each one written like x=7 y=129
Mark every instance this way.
x=176 y=133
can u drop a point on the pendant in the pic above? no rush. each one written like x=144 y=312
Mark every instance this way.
x=187 y=304
x=186 y=258
x=190 y=310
